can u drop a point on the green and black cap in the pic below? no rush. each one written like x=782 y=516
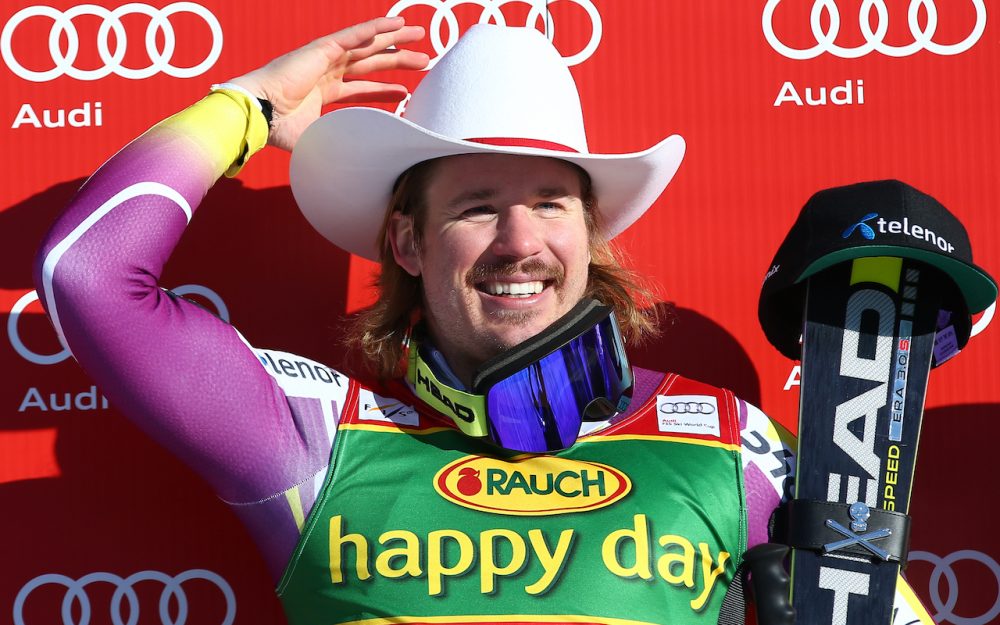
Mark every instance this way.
x=880 y=218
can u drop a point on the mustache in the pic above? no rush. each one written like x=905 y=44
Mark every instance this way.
x=535 y=268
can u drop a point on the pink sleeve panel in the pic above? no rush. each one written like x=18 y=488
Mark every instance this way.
x=181 y=374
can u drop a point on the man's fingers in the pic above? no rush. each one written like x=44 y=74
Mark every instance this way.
x=357 y=91
x=320 y=67
x=372 y=36
x=387 y=60
x=360 y=34
x=407 y=34
x=386 y=41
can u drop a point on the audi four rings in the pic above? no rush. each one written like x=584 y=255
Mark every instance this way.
x=492 y=12
x=874 y=39
x=62 y=25
x=945 y=609
x=172 y=593
x=686 y=407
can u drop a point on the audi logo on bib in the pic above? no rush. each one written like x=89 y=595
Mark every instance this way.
x=444 y=17
x=125 y=607
x=922 y=17
x=687 y=407
x=113 y=40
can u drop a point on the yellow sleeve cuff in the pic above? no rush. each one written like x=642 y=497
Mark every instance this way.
x=255 y=135
x=227 y=125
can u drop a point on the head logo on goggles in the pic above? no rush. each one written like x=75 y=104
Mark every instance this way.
x=467 y=410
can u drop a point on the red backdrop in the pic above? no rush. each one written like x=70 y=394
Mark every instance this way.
x=776 y=100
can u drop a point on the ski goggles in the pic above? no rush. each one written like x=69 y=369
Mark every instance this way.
x=534 y=397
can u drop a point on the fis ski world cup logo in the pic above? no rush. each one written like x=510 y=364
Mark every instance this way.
x=532 y=486
x=922 y=19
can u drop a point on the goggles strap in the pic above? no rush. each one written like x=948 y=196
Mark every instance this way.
x=468 y=411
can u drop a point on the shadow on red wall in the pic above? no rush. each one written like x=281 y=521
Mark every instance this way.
x=699 y=348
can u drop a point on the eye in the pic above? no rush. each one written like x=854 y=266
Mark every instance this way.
x=478 y=212
x=550 y=207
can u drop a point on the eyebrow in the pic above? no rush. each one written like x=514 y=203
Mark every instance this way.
x=550 y=192
x=474 y=195
x=477 y=195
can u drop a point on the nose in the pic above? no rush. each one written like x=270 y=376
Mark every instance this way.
x=518 y=234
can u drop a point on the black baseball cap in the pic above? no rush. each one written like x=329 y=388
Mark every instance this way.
x=880 y=218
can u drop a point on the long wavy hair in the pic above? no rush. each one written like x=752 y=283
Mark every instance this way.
x=378 y=332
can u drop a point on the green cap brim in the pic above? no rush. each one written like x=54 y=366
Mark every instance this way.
x=977 y=287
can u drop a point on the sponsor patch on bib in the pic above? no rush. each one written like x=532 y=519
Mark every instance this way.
x=372 y=407
x=531 y=486
x=688 y=414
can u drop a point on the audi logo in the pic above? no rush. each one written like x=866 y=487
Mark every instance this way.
x=492 y=11
x=687 y=407
x=923 y=36
x=985 y=319
x=76 y=594
x=31 y=297
x=62 y=25
x=945 y=608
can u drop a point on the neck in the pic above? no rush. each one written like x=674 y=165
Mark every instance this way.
x=436 y=360
x=457 y=363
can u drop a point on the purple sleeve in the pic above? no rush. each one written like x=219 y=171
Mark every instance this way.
x=768 y=468
x=181 y=374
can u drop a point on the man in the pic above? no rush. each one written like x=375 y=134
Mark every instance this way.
x=486 y=333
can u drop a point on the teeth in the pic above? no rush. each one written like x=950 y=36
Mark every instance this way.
x=514 y=289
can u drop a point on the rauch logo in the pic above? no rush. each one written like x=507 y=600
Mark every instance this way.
x=533 y=486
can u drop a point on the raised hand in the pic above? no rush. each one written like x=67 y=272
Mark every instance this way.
x=300 y=83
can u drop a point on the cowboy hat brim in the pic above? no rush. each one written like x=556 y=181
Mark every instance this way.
x=345 y=163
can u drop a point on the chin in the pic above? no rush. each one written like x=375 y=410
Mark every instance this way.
x=511 y=337
x=508 y=328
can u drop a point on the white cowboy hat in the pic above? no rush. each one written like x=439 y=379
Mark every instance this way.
x=499 y=90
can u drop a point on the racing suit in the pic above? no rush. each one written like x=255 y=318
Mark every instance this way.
x=365 y=504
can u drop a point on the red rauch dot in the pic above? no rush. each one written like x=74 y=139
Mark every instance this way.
x=469 y=483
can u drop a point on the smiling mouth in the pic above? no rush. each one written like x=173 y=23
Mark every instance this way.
x=514 y=280
x=513 y=289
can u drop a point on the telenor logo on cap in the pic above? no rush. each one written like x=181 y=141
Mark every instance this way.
x=898 y=227
x=865 y=229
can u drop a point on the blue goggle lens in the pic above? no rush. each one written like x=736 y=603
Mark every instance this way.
x=540 y=407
